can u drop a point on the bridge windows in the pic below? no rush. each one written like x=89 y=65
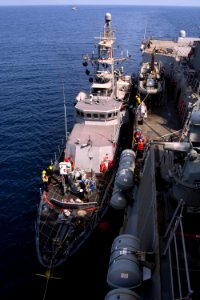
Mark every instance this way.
x=97 y=116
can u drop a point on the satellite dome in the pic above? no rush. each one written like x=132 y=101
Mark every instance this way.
x=182 y=33
x=108 y=17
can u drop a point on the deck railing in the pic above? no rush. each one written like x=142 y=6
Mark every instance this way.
x=178 y=275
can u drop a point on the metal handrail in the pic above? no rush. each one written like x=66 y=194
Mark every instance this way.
x=176 y=222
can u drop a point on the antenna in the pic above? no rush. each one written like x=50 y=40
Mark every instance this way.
x=145 y=31
x=65 y=112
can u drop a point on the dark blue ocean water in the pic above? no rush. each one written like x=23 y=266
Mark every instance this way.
x=40 y=49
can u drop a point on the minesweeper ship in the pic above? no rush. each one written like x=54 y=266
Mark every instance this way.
x=157 y=252
x=77 y=185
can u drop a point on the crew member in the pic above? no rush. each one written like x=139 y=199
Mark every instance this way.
x=103 y=166
x=50 y=170
x=91 y=185
x=136 y=137
x=45 y=180
x=140 y=148
x=137 y=134
x=72 y=164
x=142 y=138
x=83 y=185
x=50 y=174
x=138 y=100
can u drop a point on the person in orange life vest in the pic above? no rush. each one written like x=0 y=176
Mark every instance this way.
x=104 y=164
x=140 y=148
x=103 y=167
x=140 y=145
x=136 y=137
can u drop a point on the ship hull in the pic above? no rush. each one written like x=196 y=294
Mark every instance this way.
x=157 y=249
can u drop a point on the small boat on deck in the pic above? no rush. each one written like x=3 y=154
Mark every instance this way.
x=77 y=191
x=151 y=77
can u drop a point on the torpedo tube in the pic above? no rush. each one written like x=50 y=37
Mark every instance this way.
x=124 y=270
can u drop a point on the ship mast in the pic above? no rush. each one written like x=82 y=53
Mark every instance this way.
x=107 y=28
x=108 y=35
x=65 y=111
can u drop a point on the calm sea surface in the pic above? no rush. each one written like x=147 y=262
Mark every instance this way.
x=40 y=50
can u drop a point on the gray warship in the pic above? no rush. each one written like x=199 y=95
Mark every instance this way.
x=157 y=252
x=77 y=188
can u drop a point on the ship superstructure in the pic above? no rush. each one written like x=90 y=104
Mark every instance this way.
x=101 y=112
